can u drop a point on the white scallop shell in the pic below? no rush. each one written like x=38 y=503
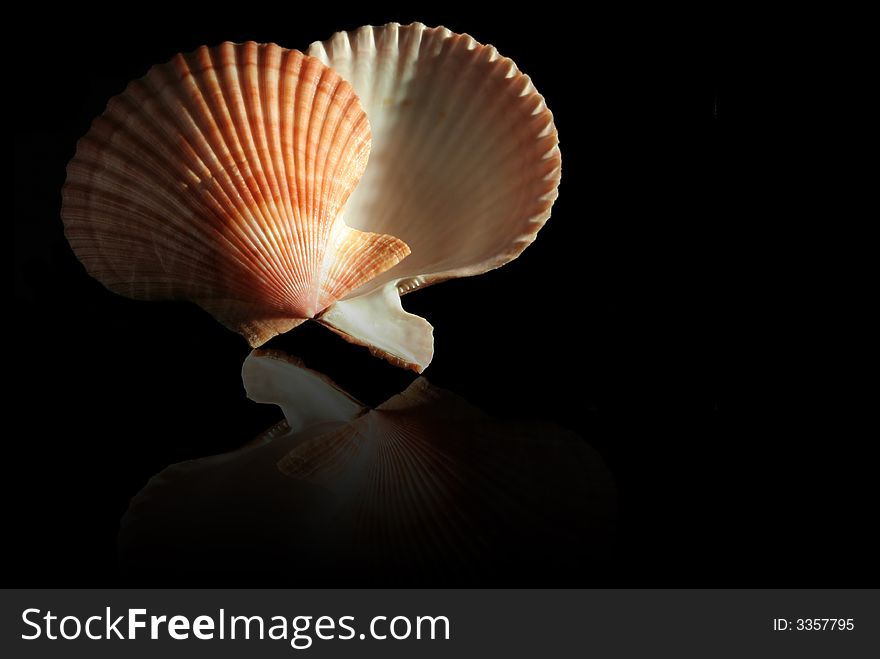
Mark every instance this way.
x=464 y=168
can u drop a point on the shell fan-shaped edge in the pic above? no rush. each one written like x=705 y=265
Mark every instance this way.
x=220 y=178
x=495 y=169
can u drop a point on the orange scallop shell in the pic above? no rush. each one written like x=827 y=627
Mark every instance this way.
x=220 y=177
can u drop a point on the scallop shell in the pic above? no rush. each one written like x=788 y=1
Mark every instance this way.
x=464 y=168
x=424 y=485
x=219 y=178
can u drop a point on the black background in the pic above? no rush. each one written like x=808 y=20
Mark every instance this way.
x=628 y=321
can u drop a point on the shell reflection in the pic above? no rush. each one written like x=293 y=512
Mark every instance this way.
x=424 y=487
